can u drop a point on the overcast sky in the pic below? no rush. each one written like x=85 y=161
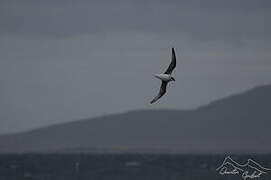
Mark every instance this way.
x=67 y=60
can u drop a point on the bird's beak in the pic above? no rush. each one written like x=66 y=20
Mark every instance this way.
x=173 y=79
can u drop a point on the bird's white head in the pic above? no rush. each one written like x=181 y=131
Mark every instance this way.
x=157 y=76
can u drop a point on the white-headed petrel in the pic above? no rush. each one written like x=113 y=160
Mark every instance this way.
x=166 y=77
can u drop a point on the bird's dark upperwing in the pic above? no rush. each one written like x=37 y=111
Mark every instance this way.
x=162 y=91
x=172 y=64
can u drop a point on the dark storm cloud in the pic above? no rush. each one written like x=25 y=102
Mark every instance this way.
x=204 y=20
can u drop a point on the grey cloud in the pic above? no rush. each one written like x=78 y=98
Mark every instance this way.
x=205 y=20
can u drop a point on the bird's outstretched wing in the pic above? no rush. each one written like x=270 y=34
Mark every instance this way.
x=162 y=91
x=172 y=64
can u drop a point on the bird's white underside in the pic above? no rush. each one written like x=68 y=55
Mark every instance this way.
x=163 y=77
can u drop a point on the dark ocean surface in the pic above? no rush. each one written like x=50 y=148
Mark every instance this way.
x=123 y=167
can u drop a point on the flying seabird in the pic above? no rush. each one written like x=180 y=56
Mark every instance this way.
x=166 y=77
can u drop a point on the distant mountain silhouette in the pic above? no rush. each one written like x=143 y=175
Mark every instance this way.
x=240 y=123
